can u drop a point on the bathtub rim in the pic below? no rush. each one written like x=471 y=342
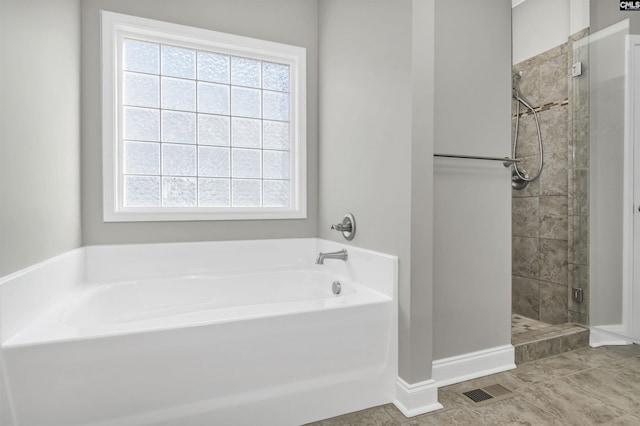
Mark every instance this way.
x=255 y=312
x=80 y=258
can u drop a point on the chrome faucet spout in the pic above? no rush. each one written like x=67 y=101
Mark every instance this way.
x=340 y=255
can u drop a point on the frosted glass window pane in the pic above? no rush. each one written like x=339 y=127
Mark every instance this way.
x=276 y=106
x=141 y=90
x=141 y=191
x=141 y=56
x=276 y=165
x=275 y=135
x=246 y=163
x=246 y=132
x=214 y=192
x=276 y=193
x=179 y=191
x=245 y=72
x=275 y=77
x=246 y=193
x=178 y=127
x=178 y=62
x=213 y=98
x=141 y=124
x=178 y=160
x=245 y=102
x=213 y=67
x=213 y=162
x=142 y=158
x=178 y=94
x=213 y=130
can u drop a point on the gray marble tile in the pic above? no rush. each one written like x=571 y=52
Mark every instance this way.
x=612 y=389
x=553 y=80
x=626 y=350
x=395 y=414
x=537 y=350
x=553 y=261
x=515 y=410
x=574 y=341
x=627 y=420
x=550 y=331
x=554 y=129
x=598 y=357
x=525 y=262
x=554 y=219
x=578 y=318
x=531 y=165
x=553 y=303
x=579 y=192
x=578 y=276
x=455 y=416
x=547 y=369
x=578 y=250
x=525 y=296
x=554 y=176
x=450 y=399
x=572 y=405
x=528 y=85
x=525 y=217
x=528 y=143
x=580 y=141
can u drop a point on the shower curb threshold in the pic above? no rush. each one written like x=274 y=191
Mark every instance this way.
x=570 y=339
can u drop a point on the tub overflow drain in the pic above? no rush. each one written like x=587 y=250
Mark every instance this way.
x=336 y=287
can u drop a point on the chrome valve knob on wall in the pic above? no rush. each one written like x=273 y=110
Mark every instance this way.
x=347 y=226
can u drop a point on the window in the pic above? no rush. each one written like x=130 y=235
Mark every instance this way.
x=200 y=125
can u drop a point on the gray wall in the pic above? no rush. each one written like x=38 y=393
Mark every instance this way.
x=286 y=21
x=365 y=136
x=418 y=319
x=39 y=137
x=472 y=201
x=377 y=141
x=605 y=13
x=39 y=131
x=529 y=17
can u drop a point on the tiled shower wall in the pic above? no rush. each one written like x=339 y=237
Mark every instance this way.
x=540 y=212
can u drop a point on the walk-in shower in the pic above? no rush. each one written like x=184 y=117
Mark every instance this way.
x=520 y=178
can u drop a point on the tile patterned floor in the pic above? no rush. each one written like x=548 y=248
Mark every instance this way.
x=583 y=387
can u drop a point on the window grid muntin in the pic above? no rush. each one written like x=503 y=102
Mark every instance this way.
x=197 y=113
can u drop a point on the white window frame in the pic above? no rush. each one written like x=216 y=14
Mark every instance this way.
x=115 y=27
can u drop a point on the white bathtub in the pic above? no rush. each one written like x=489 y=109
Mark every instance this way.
x=229 y=333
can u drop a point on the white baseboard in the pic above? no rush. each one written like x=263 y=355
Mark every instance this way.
x=608 y=335
x=420 y=398
x=448 y=371
x=417 y=398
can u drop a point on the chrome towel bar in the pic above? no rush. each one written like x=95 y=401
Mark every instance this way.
x=505 y=160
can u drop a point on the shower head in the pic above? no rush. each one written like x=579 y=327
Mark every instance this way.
x=515 y=82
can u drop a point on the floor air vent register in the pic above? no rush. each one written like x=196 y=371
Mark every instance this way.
x=487 y=394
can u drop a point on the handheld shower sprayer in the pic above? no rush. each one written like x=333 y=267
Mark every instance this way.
x=520 y=178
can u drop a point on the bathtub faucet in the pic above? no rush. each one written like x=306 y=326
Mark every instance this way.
x=341 y=254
